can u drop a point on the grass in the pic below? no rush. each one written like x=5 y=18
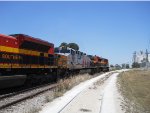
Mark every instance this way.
x=102 y=80
x=135 y=88
x=67 y=84
x=34 y=110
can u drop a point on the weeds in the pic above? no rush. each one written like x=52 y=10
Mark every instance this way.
x=67 y=84
x=48 y=98
x=135 y=88
x=34 y=110
x=102 y=80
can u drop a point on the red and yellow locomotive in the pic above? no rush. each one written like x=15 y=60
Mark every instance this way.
x=21 y=55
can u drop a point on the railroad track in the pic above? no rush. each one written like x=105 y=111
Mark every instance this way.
x=22 y=90
x=16 y=97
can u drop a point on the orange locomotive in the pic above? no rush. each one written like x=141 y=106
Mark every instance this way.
x=100 y=64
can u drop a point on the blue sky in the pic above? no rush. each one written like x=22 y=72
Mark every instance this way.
x=113 y=30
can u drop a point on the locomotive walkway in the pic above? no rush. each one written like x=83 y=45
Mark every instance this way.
x=98 y=95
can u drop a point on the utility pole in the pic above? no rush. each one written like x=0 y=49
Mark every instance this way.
x=147 y=61
x=147 y=56
x=134 y=57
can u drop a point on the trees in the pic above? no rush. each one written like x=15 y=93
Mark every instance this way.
x=117 y=66
x=123 y=66
x=111 y=65
x=127 y=66
x=135 y=65
x=71 y=45
x=63 y=44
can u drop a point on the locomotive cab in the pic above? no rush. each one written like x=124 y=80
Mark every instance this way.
x=69 y=53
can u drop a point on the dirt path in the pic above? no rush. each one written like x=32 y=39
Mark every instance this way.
x=100 y=97
x=111 y=98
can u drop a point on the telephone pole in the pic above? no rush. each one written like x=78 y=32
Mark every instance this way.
x=147 y=61
x=134 y=57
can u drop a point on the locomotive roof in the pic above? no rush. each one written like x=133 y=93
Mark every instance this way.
x=32 y=39
x=6 y=36
x=104 y=59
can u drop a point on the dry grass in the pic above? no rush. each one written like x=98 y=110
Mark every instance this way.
x=34 y=110
x=67 y=84
x=135 y=87
x=102 y=80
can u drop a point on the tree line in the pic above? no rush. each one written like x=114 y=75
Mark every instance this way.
x=70 y=45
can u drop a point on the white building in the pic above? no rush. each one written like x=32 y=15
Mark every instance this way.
x=141 y=57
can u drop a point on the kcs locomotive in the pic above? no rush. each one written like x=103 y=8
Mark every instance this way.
x=25 y=58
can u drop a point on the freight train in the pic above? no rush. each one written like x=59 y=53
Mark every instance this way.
x=25 y=58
